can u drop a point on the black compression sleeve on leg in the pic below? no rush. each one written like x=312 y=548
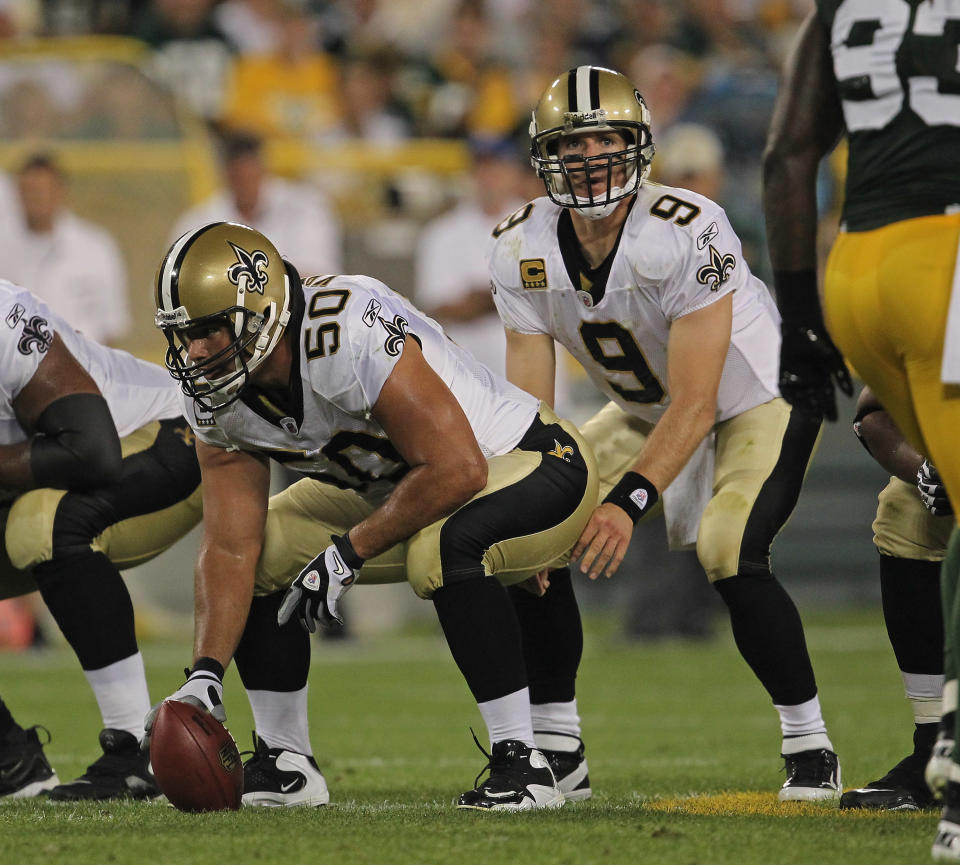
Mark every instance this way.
x=483 y=634
x=913 y=613
x=76 y=446
x=552 y=636
x=769 y=634
x=90 y=602
x=270 y=657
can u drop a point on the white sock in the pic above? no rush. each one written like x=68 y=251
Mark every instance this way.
x=281 y=719
x=924 y=692
x=803 y=728
x=509 y=718
x=559 y=718
x=949 y=696
x=121 y=692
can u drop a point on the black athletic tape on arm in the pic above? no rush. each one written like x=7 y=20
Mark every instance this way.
x=76 y=446
x=635 y=494
x=858 y=424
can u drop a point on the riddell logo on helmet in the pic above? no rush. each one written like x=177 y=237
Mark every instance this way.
x=250 y=271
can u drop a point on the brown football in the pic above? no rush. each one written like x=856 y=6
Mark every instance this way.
x=195 y=760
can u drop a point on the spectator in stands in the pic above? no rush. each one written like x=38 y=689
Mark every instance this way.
x=294 y=215
x=191 y=55
x=368 y=111
x=452 y=276
x=290 y=92
x=73 y=265
x=473 y=93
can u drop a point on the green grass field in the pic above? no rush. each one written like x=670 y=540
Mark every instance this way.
x=681 y=740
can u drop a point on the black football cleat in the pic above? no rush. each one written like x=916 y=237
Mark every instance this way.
x=903 y=788
x=520 y=779
x=122 y=772
x=811 y=776
x=568 y=763
x=24 y=769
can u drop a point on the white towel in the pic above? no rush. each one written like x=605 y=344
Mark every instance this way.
x=686 y=498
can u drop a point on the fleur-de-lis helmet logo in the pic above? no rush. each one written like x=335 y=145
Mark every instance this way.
x=716 y=272
x=250 y=271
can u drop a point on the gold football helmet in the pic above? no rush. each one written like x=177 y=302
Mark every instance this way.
x=222 y=273
x=586 y=99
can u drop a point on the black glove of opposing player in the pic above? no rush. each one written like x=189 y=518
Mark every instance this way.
x=810 y=363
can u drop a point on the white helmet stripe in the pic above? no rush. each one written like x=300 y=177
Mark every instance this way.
x=166 y=298
x=583 y=89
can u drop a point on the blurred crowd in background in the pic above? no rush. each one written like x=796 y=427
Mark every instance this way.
x=378 y=136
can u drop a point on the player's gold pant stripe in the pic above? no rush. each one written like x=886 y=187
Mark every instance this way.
x=887 y=293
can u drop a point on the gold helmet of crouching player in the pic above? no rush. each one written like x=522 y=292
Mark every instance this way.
x=587 y=99
x=222 y=274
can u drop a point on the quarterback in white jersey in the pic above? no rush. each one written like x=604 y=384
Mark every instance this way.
x=423 y=465
x=78 y=502
x=647 y=286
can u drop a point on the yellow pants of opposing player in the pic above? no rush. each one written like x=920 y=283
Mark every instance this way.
x=886 y=297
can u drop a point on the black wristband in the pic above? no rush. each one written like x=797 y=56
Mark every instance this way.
x=347 y=552
x=635 y=494
x=207 y=665
x=797 y=297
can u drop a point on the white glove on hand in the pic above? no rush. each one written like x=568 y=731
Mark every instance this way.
x=314 y=594
x=932 y=491
x=203 y=688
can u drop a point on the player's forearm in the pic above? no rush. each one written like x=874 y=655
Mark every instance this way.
x=790 y=209
x=674 y=440
x=223 y=591
x=427 y=493
x=888 y=446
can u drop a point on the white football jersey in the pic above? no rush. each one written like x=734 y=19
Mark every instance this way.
x=351 y=332
x=137 y=392
x=677 y=253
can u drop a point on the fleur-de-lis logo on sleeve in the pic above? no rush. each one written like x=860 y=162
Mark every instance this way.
x=396 y=333
x=35 y=336
x=716 y=272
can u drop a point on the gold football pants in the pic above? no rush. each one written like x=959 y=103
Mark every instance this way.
x=886 y=297
x=761 y=457
x=529 y=515
x=155 y=503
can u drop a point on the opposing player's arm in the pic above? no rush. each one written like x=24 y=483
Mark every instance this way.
x=883 y=439
x=532 y=363
x=236 y=487
x=807 y=121
x=426 y=424
x=696 y=351
x=73 y=443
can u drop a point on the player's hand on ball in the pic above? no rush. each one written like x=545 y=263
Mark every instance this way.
x=203 y=688
x=314 y=595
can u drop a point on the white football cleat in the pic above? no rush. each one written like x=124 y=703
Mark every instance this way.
x=275 y=778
